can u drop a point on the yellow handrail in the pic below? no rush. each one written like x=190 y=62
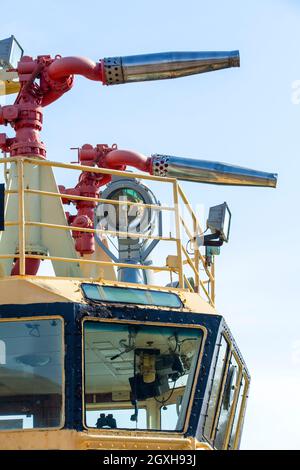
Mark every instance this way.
x=203 y=274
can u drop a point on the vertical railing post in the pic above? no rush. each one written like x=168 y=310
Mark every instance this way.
x=213 y=286
x=21 y=213
x=178 y=234
x=196 y=257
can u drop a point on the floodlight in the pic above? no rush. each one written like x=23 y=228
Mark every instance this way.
x=218 y=221
x=10 y=52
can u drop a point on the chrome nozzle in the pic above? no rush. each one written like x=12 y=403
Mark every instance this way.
x=204 y=171
x=163 y=65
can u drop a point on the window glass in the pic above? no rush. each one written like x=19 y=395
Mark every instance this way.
x=106 y=418
x=16 y=422
x=215 y=391
x=167 y=414
x=130 y=296
x=31 y=371
x=230 y=388
x=237 y=414
x=140 y=367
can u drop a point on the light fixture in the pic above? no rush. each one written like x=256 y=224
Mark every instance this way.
x=10 y=52
x=218 y=222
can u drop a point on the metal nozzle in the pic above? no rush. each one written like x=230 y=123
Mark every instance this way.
x=204 y=171
x=139 y=68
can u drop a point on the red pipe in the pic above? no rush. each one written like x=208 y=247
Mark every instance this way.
x=50 y=97
x=137 y=160
x=89 y=185
x=31 y=267
x=66 y=66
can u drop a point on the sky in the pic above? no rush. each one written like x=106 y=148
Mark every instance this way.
x=248 y=116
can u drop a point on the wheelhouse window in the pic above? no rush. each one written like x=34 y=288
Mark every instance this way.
x=230 y=389
x=216 y=386
x=239 y=414
x=31 y=373
x=134 y=371
x=130 y=295
x=227 y=402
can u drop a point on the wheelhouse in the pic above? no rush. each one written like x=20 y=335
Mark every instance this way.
x=106 y=371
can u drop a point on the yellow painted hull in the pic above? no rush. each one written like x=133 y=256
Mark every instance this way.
x=73 y=440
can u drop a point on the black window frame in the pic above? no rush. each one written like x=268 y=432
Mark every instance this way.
x=42 y=317
x=148 y=291
x=196 y=379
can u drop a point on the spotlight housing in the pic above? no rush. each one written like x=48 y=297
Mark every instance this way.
x=219 y=220
x=10 y=52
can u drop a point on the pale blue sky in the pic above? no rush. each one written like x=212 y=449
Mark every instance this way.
x=243 y=116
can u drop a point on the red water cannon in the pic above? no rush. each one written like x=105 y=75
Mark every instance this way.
x=181 y=168
x=45 y=79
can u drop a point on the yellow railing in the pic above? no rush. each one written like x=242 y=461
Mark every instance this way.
x=201 y=280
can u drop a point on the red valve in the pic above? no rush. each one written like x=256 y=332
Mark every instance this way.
x=43 y=80
x=31 y=267
x=89 y=185
x=84 y=241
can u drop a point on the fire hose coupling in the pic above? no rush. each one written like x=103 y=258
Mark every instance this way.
x=164 y=65
x=112 y=71
x=159 y=165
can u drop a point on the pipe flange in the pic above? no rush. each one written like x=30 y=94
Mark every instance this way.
x=28 y=148
x=113 y=72
x=60 y=86
x=34 y=250
x=160 y=165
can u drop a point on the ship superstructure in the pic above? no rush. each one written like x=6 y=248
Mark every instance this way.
x=120 y=346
